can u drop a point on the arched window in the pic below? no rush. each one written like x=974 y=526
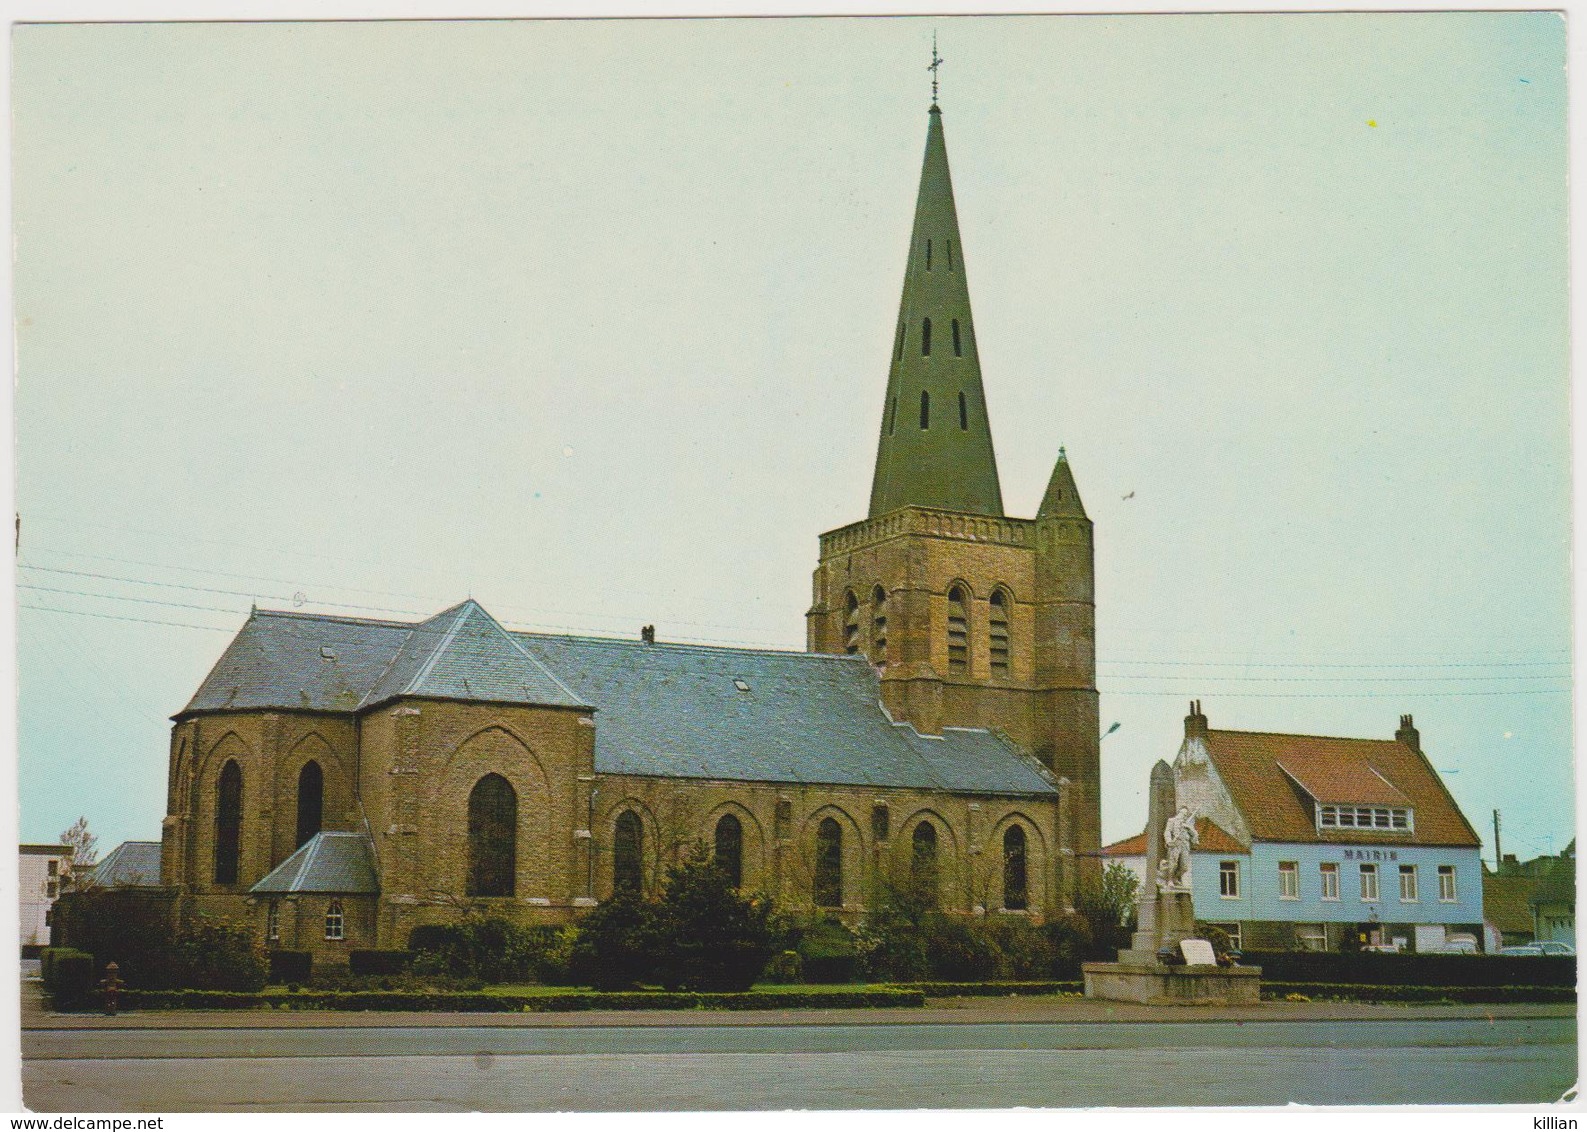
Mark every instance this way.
x=892 y=419
x=730 y=848
x=923 y=864
x=228 y=823
x=925 y=337
x=311 y=800
x=925 y=409
x=958 y=633
x=928 y=255
x=335 y=922
x=829 y=864
x=880 y=820
x=964 y=413
x=878 y=626
x=1016 y=895
x=898 y=349
x=997 y=633
x=851 y=623
x=492 y=837
x=273 y=922
x=958 y=352
x=628 y=854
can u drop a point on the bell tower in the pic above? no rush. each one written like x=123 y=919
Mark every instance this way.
x=974 y=618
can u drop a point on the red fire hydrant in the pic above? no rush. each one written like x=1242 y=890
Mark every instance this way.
x=111 y=985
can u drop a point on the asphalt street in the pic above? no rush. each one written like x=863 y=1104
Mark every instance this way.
x=1458 y=1061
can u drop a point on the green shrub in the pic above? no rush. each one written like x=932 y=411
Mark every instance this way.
x=828 y=953
x=1366 y=992
x=70 y=976
x=379 y=962
x=709 y=937
x=784 y=967
x=218 y=956
x=1381 y=968
x=959 y=950
x=133 y=928
x=618 y=944
x=1021 y=949
x=563 y=1001
x=488 y=949
x=1071 y=942
x=291 y=966
x=995 y=989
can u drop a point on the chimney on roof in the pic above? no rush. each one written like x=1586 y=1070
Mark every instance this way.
x=1408 y=734
x=648 y=634
x=1195 y=722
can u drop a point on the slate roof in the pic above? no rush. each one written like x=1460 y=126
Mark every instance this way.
x=132 y=864
x=1211 y=839
x=677 y=711
x=313 y=662
x=330 y=862
x=1275 y=804
x=661 y=709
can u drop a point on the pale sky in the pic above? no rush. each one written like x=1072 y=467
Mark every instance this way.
x=591 y=321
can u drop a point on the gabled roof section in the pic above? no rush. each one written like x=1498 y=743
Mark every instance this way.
x=464 y=654
x=1261 y=770
x=331 y=861
x=1505 y=902
x=679 y=711
x=1211 y=838
x=132 y=864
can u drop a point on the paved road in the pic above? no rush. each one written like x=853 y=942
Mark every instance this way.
x=956 y=1065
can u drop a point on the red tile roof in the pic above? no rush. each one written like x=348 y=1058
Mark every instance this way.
x=1276 y=805
x=1210 y=839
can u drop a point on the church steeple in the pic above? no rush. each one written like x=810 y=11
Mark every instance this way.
x=936 y=442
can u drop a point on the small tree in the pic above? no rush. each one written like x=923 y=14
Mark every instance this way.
x=618 y=944
x=711 y=938
x=1107 y=904
x=83 y=845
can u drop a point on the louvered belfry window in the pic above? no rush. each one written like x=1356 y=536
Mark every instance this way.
x=851 y=623
x=958 y=633
x=492 y=837
x=997 y=633
x=878 y=626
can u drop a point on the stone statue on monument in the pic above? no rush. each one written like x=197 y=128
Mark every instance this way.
x=1179 y=837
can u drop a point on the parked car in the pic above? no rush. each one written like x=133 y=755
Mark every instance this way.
x=1459 y=945
x=1539 y=947
x=1521 y=949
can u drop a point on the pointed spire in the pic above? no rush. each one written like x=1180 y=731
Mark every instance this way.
x=936 y=442
x=1062 y=500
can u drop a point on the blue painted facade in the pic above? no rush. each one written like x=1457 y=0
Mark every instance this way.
x=1259 y=897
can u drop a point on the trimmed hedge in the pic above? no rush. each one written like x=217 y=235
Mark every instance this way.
x=496 y=1003
x=70 y=976
x=291 y=966
x=1364 y=992
x=1383 y=968
x=991 y=990
x=379 y=962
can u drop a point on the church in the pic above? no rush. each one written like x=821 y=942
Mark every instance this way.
x=336 y=781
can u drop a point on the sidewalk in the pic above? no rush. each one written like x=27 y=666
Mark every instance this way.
x=948 y=1011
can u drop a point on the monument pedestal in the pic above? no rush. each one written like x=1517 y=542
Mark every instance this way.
x=1158 y=984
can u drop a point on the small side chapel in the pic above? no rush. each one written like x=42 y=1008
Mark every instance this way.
x=338 y=781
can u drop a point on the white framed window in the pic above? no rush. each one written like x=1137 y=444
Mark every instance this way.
x=335 y=925
x=1289 y=880
x=273 y=922
x=1369 y=882
x=1311 y=937
x=1365 y=817
x=1232 y=931
x=1229 y=880
x=1329 y=872
x=1446 y=884
x=1408 y=884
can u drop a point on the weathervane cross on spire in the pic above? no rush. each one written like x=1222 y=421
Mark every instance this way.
x=936 y=62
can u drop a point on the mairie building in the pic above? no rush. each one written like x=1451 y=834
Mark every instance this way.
x=337 y=781
x=1317 y=842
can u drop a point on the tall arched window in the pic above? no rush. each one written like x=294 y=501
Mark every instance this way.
x=311 y=800
x=898 y=351
x=928 y=255
x=878 y=626
x=730 y=848
x=892 y=417
x=492 y=837
x=273 y=922
x=923 y=864
x=1016 y=893
x=628 y=854
x=964 y=413
x=335 y=922
x=925 y=409
x=228 y=823
x=997 y=632
x=851 y=623
x=958 y=350
x=829 y=864
x=925 y=337
x=958 y=633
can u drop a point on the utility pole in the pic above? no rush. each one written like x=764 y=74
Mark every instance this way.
x=1498 y=857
